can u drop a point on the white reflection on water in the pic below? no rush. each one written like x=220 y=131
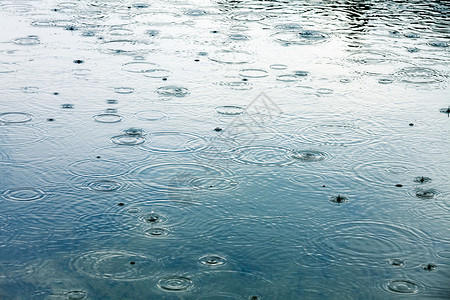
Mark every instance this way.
x=216 y=149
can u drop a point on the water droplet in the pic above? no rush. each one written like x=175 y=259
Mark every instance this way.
x=78 y=61
x=429 y=267
x=339 y=199
x=396 y=262
x=157 y=232
x=422 y=179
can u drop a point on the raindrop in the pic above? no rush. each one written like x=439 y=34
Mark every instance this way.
x=157 y=232
x=212 y=260
x=429 y=267
x=309 y=155
x=23 y=194
x=78 y=61
x=426 y=193
x=339 y=199
x=396 y=262
x=105 y=185
x=422 y=179
x=445 y=110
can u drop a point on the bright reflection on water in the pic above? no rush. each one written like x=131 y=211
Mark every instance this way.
x=216 y=149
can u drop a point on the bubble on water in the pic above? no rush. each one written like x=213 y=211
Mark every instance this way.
x=402 y=286
x=15 y=117
x=29 y=40
x=172 y=90
x=23 y=194
x=212 y=260
x=176 y=283
x=108 y=118
x=253 y=73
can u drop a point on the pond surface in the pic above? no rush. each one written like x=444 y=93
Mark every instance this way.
x=224 y=149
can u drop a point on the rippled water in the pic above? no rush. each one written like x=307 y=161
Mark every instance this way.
x=215 y=149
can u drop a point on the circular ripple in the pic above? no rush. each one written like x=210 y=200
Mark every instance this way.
x=402 y=287
x=108 y=118
x=29 y=40
x=309 y=155
x=182 y=177
x=419 y=75
x=334 y=134
x=174 y=142
x=230 y=110
x=138 y=67
x=116 y=265
x=23 y=194
x=249 y=16
x=305 y=37
x=157 y=73
x=175 y=284
x=157 y=232
x=172 y=90
x=387 y=173
x=128 y=139
x=8 y=67
x=123 y=90
x=150 y=115
x=287 y=78
x=98 y=168
x=15 y=117
x=265 y=155
x=278 y=67
x=105 y=185
x=231 y=57
x=363 y=242
x=426 y=193
x=253 y=73
x=212 y=260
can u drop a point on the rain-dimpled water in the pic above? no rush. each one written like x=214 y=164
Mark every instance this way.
x=218 y=149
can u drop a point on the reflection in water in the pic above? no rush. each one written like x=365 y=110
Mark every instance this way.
x=224 y=149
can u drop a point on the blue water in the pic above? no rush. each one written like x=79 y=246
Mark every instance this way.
x=224 y=149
